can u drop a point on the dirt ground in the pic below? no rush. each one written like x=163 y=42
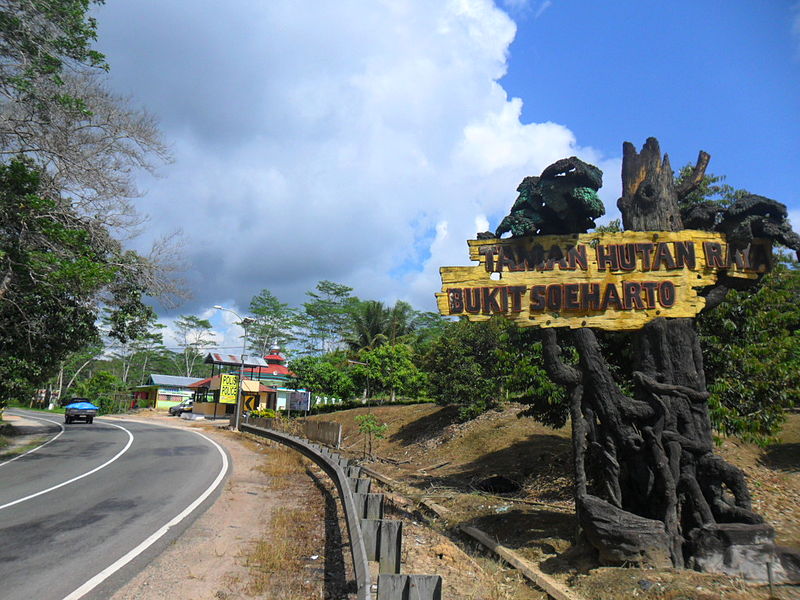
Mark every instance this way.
x=445 y=461
x=206 y=562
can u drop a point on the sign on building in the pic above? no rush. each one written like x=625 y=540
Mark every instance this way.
x=609 y=280
x=300 y=400
x=228 y=388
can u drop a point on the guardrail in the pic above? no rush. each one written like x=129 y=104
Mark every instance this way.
x=371 y=536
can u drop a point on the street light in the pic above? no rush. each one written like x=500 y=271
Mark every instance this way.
x=244 y=322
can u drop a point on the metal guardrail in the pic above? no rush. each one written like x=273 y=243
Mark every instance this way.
x=371 y=536
x=336 y=471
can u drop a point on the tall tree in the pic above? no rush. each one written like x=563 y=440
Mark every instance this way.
x=371 y=324
x=194 y=336
x=54 y=274
x=275 y=323
x=70 y=150
x=326 y=316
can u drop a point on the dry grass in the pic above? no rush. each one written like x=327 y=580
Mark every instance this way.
x=279 y=464
x=278 y=563
x=427 y=450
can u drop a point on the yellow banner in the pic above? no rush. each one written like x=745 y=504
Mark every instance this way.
x=610 y=281
x=228 y=388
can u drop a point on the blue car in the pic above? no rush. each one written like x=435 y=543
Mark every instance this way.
x=80 y=409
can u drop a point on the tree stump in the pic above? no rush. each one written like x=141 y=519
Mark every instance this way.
x=649 y=488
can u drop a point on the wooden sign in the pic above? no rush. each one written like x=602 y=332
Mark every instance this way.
x=610 y=281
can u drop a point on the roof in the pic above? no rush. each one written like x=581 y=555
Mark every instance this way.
x=203 y=383
x=274 y=356
x=250 y=385
x=275 y=370
x=171 y=380
x=234 y=360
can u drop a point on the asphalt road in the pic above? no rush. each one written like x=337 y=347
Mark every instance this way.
x=97 y=502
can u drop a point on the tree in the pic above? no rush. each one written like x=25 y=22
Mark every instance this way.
x=327 y=374
x=749 y=342
x=369 y=427
x=194 y=335
x=462 y=366
x=275 y=322
x=371 y=324
x=39 y=39
x=148 y=348
x=390 y=368
x=70 y=150
x=54 y=272
x=709 y=188
x=751 y=353
x=326 y=316
x=100 y=389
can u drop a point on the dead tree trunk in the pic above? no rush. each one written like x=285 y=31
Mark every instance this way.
x=649 y=488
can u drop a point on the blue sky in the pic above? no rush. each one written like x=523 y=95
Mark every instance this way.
x=720 y=76
x=365 y=142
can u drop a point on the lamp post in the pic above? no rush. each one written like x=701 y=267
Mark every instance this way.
x=244 y=322
x=366 y=389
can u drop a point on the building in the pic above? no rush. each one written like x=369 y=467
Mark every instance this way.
x=255 y=395
x=270 y=371
x=163 y=391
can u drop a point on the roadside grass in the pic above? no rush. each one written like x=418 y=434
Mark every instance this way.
x=279 y=563
x=280 y=465
x=15 y=404
x=8 y=451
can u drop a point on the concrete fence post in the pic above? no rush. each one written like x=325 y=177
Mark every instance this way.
x=359 y=485
x=369 y=506
x=383 y=542
x=409 y=587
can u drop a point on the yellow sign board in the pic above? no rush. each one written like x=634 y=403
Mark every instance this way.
x=610 y=281
x=228 y=388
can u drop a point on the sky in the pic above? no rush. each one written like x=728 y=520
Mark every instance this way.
x=364 y=142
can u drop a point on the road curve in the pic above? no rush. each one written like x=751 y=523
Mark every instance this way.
x=81 y=514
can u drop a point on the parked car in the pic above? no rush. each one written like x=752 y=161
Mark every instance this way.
x=179 y=409
x=80 y=409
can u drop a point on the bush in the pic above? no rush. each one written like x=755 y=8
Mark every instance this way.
x=265 y=413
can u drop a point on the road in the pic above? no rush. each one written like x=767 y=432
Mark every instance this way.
x=87 y=510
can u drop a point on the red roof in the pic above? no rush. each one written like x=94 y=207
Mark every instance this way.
x=275 y=356
x=202 y=383
x=274 y=370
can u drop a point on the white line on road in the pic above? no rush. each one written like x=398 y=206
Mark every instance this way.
x=119 y=564
x=74 y=479
x=52 y=439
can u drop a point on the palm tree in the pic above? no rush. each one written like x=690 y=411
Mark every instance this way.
x=373 y=324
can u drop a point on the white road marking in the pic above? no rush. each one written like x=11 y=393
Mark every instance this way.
x=52 y=439
x=74 y=479
x=119 y=564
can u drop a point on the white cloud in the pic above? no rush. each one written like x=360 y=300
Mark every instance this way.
x=542 y=7
x=357 y=142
